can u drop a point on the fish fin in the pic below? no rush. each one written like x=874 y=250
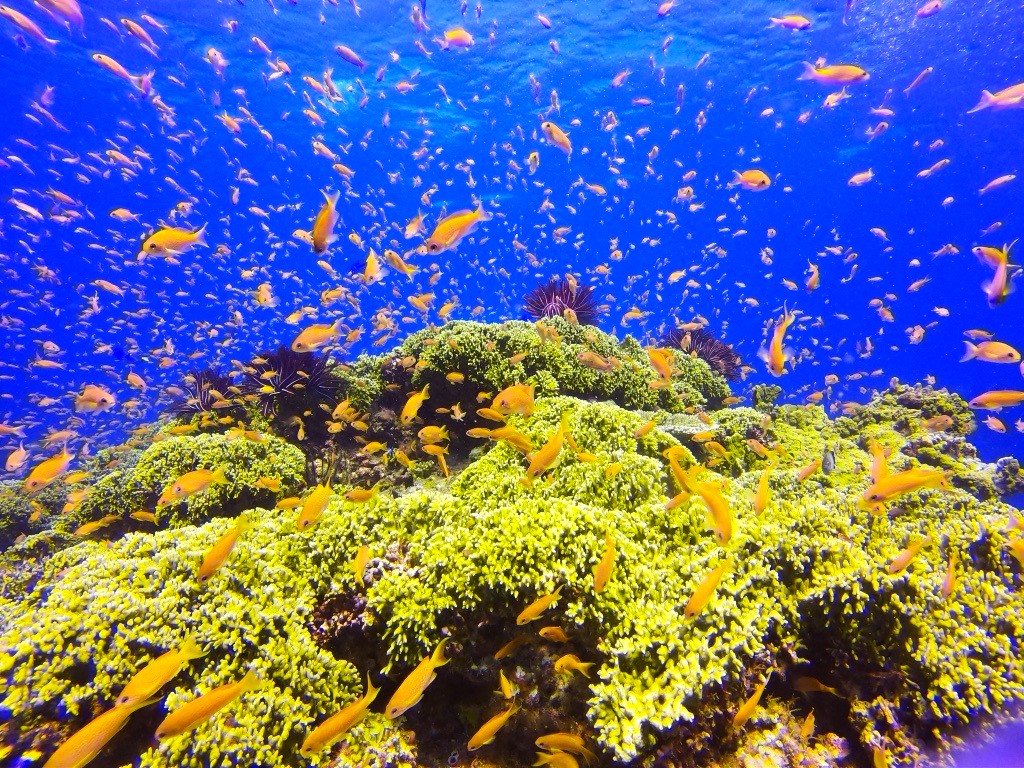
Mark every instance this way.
x=970 y=352
x=987 y=100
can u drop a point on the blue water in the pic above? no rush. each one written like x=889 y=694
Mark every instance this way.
x=489 y=119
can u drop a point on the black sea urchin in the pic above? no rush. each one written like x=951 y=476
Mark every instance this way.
x=556 y=296
x=716 y=353
x=200 y=391
x=290 y=383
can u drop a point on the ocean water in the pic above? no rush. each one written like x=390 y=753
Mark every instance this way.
x=712 y=88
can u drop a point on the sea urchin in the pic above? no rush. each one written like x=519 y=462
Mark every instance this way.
x=558 y=298
x=716 y=353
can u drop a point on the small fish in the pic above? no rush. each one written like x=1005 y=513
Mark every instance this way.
x=533 y=611
x=557 y=137
x=565 y=742
x=548 y=455
x=94 y=399
x=359 y=564
x=702 y=594
x=337 y=725
x=837 y=74
x=828 y=461
x=570 y=663
x=158 y=672
x=411 y=689
x=895 y=485
x=754 y=180
x=173 y=241
x=190 y=484
x=904 y=558
x=554 y=634
x=202 y=708
x=323 y=226
x=517 y=398
x=991 y=352
x=996 y=399
x=1012 y=96
x=411 y=409
x=603 y=569
x=813 y=685
x=219 y=552
x=489 y=730
x=313 y=507
x=793 y=21
x=776 y=356
x=316 y=336
x=746 y=711
x=450 y=231
x=84 y=744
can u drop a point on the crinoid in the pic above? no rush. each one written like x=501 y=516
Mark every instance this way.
x=290 y=384
x=554 y=297
x=202 y=392
x=716 y=353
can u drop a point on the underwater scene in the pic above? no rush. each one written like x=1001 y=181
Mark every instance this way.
x=397 y=383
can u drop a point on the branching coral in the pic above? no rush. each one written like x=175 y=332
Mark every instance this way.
x=807 y=586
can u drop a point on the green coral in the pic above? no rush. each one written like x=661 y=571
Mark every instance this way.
x=807 y=590
x=483 y=353
x=245 y=461
x=101 y=613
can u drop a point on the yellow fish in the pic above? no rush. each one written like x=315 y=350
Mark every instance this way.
x=719 y=513
x=776 y=356
x=334 y=727
x=546 y=457
x=702 y=595
x=323 y=225
x=45 y=472
x=565 y=742
x=199 y=710
x=316 y=335
x=451 y=229
x=537 y=607
x=411 y=689
x=754 y=180
x=173 y=240
x=155 y=675
x=837 y=74
x=557 y=137
x=487 y=731
x=191 y=483
x=571 y=663
x=747 y=710
x=219 y=552
x=83 y=745
x=903 y=559
x=313 y=508
x=412 y=406
x=603 y=570
x=515 y=399
x=895 y=485
x=359 y=564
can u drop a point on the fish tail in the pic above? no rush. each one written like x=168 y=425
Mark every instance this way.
x=243 y=522
x=481 y=214
x=438 y=659
x=199 y=237
x=809 y=73
x=219 y=477
x=190 y=648
x=987 y=100
x=251 y=682
x=970 y=352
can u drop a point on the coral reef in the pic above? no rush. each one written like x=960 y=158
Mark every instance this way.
x=893 y=627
